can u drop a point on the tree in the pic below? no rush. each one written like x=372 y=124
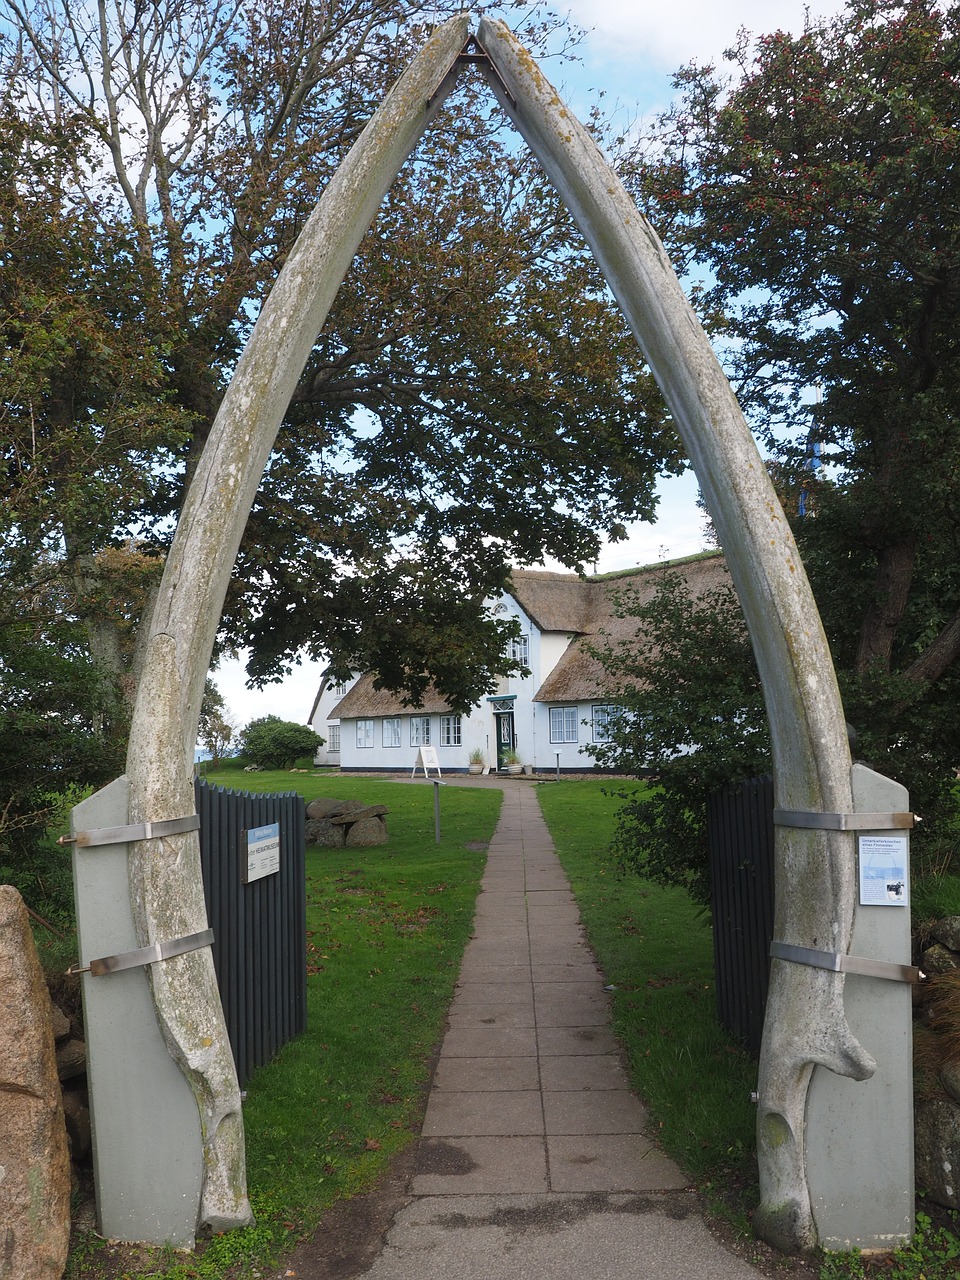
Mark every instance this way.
x=693 y=709
x=819 y=186
x=272 y=743
x=475 y=397
x=218 y=727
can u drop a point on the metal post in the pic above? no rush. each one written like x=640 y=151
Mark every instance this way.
x=436 y=808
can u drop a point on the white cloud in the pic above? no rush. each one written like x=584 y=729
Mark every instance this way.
x=674 y=33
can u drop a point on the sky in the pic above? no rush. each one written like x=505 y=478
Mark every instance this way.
x=631 y=51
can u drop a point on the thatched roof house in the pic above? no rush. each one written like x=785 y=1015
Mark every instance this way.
x=561 y=616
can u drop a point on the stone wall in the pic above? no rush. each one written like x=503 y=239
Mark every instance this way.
x=937 y=1057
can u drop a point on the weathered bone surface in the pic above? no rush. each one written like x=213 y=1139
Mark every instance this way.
x=166 y=885
x=815 y=870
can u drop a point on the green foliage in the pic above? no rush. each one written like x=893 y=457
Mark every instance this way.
x=272 y=743
x=932 y=1254
x=694 y=717
x=472 y=374
x=817 y=187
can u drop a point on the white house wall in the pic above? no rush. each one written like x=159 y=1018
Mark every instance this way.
x=478 y=728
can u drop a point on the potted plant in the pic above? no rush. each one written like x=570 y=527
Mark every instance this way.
x=511 y=762
x=477 y=762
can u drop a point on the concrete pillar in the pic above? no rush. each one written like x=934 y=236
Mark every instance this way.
x=147 y=1150
x=859 y=1135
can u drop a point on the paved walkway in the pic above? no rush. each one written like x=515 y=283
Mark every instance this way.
x=534 y=1164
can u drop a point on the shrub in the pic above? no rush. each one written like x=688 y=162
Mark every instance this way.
x=272 y=743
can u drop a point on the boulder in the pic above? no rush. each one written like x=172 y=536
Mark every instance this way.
x=937 y=1149
x=323 y=808
x=939 y=959
x=947 y=932
x=368 y=831
x=71 y=1059
x=360 y=813
x=35 y=1163
x=321 y=831
x=76 y=1113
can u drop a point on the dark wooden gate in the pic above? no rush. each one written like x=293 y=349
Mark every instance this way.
x=260 y=943
x=740 y=834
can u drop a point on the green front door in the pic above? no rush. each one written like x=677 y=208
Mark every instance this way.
x=505 y=739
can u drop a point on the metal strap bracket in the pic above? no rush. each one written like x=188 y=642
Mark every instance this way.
x=139 y=831
x=145 y=955
x=844 y=821
x=846 y=964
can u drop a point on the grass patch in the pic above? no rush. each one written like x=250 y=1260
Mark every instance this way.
x=655 y=946
x=386 y=931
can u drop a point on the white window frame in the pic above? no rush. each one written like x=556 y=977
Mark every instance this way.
x=520 y=649
x=451 y=731
x=333 y=737
x=419 y=731
x=365 y=734
x=391 y=731
x=563 y=721
x=601 y=715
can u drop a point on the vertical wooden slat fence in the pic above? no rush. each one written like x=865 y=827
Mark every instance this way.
x=260 y=943
x=740 y=834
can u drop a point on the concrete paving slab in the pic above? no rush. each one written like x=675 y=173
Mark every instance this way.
x=489 y=1073
x=572 y=1041
x=513 y=991
x=588 y=1072
x=472 y=1166
x=576 y=988
x=489 y=1042
x=573 y=970
x=611 y=1162
x=572 y=1013
x=491 y=1015
x=593 y=1112
x=483 y=1113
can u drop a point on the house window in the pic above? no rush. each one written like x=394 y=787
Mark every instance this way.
x=563 y=724
x=340 y=688
x=449 y=731
x=604 y=717
x=333 y=737
x=419 y=731
x=391 y=731
x=520 y=649
x=364 y=733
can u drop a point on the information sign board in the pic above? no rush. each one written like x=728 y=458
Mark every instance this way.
x=263 y=852
x=883 y=871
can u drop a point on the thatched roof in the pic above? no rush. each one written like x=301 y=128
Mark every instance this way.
x=578 y=676
x=363 y=701
x=582 y=608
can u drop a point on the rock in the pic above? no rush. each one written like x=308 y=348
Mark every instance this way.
x=35 y=1163
x=71 y=1059
x=324 y=808
x=368 y=831
x=937 y=1149
x=76 y=1113
x=950 y=1079
x=947 y=932
x=59 y=1021
x=939 y=959
x=358 y=815
x=321 y=831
